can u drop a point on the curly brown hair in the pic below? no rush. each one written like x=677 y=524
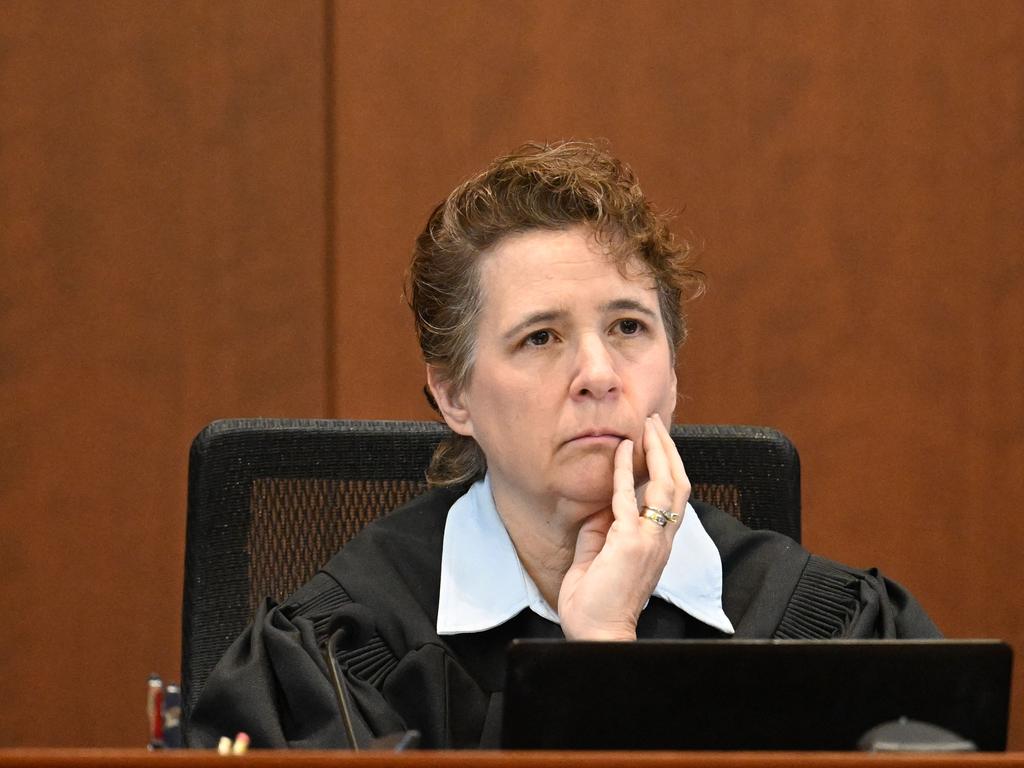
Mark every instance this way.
x=538 y=186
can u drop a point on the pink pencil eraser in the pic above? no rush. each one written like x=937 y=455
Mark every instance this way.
x=241 y=744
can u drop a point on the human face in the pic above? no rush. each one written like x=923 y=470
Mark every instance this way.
x=571 y=356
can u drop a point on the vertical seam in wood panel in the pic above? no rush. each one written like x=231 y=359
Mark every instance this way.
x=330 y=270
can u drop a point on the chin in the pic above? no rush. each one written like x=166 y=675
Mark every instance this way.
x=592 y=494
x=589 y=482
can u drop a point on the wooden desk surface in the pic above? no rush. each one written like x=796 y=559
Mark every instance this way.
x=140 y=758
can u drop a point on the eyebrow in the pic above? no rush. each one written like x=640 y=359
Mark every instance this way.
x=546 y=316
x=629 y=304
x=551 y=315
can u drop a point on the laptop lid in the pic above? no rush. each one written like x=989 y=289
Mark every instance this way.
x=750 y=695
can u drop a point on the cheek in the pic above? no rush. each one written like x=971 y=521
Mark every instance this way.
x=668 y=405
x=663 y=394
x=504 y=406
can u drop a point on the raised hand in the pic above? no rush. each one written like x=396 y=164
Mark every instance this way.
x=620 y=554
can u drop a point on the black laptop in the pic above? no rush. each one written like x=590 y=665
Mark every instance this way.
x=750 y=695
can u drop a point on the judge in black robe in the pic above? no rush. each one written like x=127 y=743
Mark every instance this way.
x=547 y=297
x=274 y=685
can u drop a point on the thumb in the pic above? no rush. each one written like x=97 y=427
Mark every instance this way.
x=592 y=536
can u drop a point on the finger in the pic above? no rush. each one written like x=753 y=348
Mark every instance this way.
x=659 y=492
x=680 y=480
x=591 y=538
x=623 y=490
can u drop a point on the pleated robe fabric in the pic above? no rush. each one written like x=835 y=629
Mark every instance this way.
x=273 y=682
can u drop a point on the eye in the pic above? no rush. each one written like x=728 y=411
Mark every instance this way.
x=629 y=327
x=538 y=339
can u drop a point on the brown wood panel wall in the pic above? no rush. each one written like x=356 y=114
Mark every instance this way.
x=853 y=171
x=162 y=225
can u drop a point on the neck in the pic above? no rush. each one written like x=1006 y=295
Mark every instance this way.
x=544 y=534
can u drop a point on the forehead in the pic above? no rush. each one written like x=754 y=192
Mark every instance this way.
x=562 y=268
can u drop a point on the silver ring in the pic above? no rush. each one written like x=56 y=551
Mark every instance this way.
x=655 y=516
x=672 y=517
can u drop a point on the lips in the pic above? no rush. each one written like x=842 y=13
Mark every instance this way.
x=598 y=434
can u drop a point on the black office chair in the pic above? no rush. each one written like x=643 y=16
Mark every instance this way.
x=270 y=500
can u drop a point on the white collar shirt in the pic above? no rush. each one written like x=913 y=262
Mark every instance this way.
x=484 y=584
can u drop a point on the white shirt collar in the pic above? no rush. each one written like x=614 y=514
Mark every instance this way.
x=483 y=584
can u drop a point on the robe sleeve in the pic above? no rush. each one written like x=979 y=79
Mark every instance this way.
x=273 y=682
x=833 y=601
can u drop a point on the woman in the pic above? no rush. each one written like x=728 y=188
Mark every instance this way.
x=547 y=298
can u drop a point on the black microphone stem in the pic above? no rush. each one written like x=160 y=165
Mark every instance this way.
x=339 y=690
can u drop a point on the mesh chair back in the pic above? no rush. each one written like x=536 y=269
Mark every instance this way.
x=269 y=501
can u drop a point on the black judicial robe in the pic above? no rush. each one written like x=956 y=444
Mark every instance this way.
x=273 y=682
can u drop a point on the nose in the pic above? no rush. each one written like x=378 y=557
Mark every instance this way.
x=595 y=374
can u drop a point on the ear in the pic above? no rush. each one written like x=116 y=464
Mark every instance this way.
x=450 y=401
